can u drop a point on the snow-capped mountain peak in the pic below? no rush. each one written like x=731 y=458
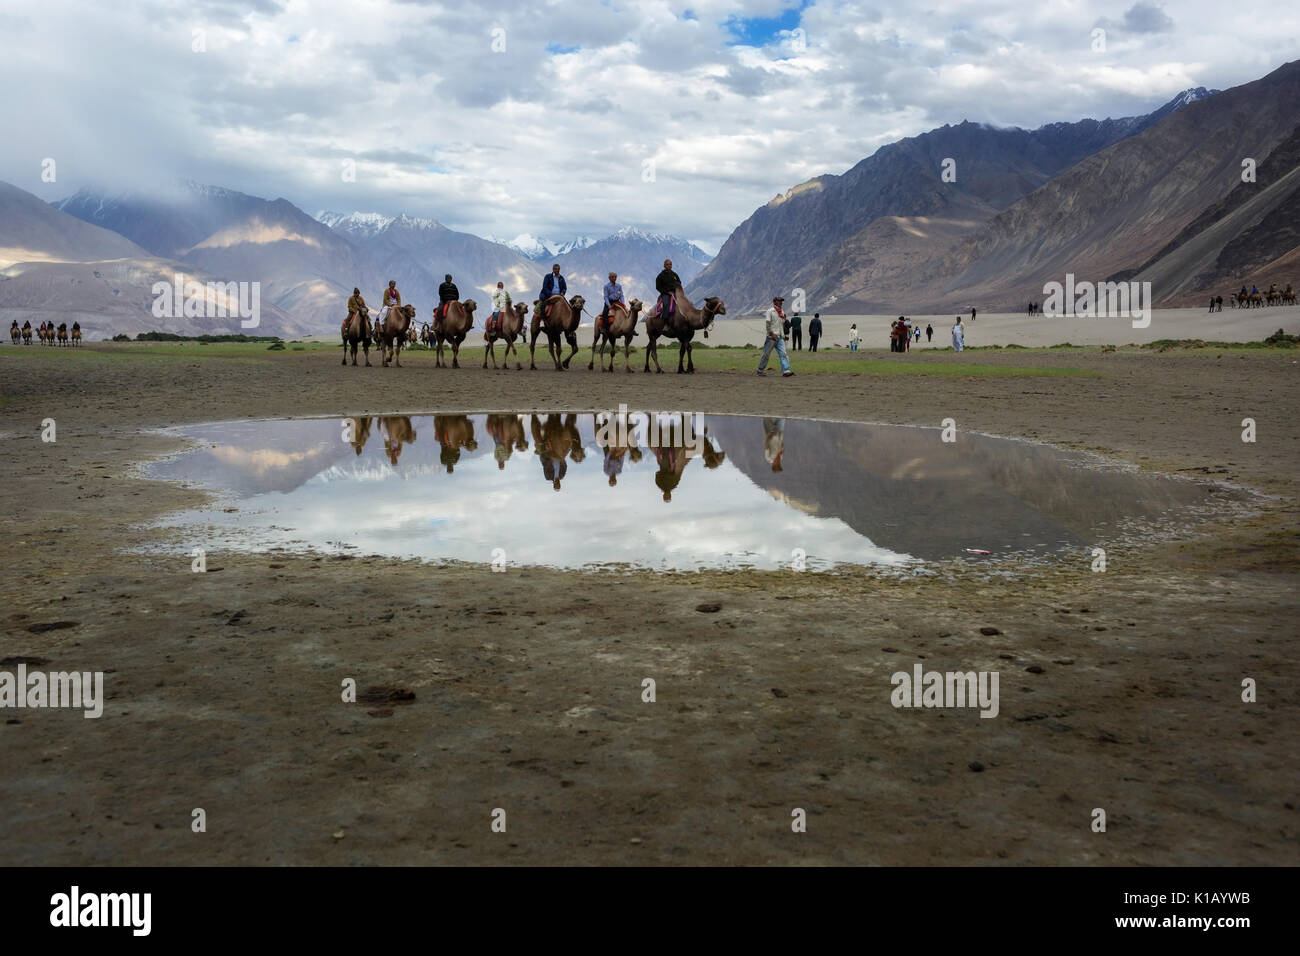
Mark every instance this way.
x=372 y=223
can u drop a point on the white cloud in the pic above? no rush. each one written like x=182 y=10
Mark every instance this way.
x=552 y=143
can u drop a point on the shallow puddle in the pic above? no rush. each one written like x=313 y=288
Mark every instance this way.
x=660 y=491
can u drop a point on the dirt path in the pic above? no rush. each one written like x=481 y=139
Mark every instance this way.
x=224 y=688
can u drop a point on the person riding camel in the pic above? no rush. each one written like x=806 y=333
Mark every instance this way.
x=447 y=293
x=500 y=305
x=613 y=293
x=392 y=300
x=357 y=304
x=666 y=284
x=553 y=284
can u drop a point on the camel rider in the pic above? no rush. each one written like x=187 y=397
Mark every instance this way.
x=392 y=300
x=666 y=284
x=357 y=304
x=499 y=306
x=553 y=284
x=613 y=293
x=447 y=292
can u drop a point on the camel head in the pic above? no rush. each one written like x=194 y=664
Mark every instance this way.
x=635 y=306
x=408 y=311
x=469 y=305
x=713 y=305
x=577 y=302
x=521 y=310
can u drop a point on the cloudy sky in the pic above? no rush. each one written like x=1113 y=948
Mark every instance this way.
x=573 y=117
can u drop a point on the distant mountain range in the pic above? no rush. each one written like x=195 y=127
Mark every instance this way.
x=1156 y=198
x=1160 y=197
x=99 y=255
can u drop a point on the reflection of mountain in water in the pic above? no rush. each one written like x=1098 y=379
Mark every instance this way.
x=844 y=492
x=250 y=458
x=911 y=492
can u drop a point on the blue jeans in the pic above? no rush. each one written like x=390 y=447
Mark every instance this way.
x=853 y=346
x=779 y=344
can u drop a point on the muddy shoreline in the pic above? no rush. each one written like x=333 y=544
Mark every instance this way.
x=224 y=688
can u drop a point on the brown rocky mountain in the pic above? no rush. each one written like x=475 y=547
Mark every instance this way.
x=54 y=266
x=812 y=236
x=1118 y=208
x=31 y=232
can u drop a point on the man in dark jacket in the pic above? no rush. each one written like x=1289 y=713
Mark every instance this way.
x=666 y=284
x=447 y=292
x=814 y=331
x=796 y=331
x=553 y=284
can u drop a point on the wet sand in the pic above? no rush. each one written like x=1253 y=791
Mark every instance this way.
x=1119 y=690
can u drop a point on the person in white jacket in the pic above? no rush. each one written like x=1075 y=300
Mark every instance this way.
x=500 y=304
x=853 y=337
x=775 y=339
x=958 y=336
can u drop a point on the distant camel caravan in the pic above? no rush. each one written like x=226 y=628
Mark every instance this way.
x=1254 y=299
x=47 y=332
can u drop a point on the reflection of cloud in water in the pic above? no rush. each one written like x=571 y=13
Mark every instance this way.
x=266 y=461
x=839 y=489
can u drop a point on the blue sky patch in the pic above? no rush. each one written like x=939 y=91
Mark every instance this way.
x=764 y=31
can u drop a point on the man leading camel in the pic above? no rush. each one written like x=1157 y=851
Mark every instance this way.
x=447 y=293
x=666 y=284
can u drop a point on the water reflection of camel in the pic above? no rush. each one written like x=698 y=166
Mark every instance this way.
x=616 y=453
x=507 y=431
x=360 y=433
x=453 y=432
x=554 y=440
x=397 y=431
x=674 y=459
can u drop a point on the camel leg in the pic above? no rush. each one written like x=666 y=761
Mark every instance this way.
x=572 y=339
x=627 y=352
x=455 y=354
x=594 y=339
x=345 y=354
x=366 y=346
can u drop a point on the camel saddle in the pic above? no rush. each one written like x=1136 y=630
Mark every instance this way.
x=609 y=317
